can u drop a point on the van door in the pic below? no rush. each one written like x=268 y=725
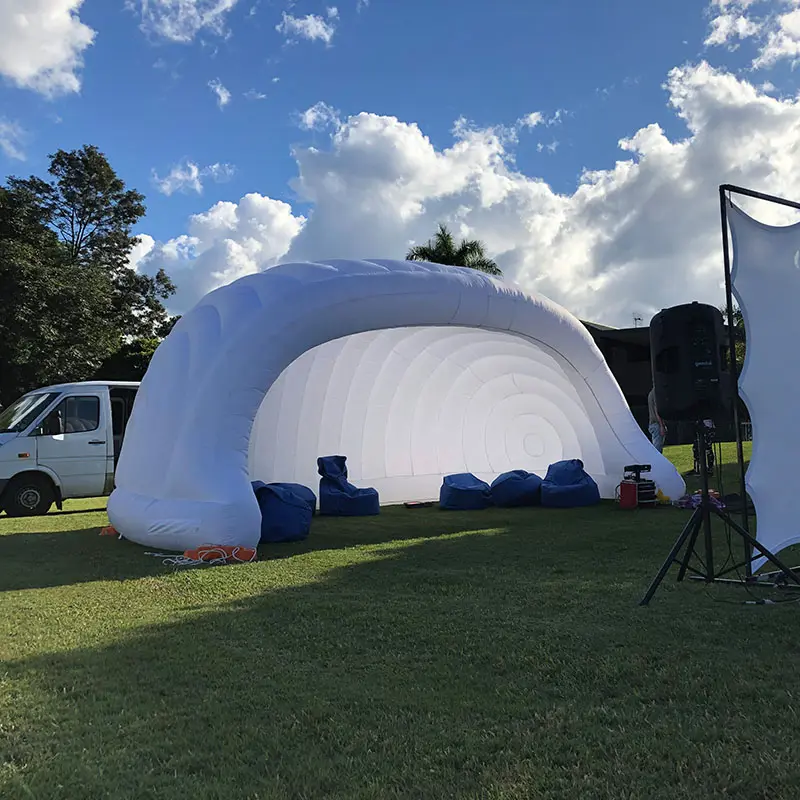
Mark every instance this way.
x=122 y=399
x=72 y=443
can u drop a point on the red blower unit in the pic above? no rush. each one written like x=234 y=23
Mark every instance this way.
x=636 y=492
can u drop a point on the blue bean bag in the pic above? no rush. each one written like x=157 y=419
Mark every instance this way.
x=286 y=511
x=567 y=485
x=337 y=497
x=464 y=492
x=517 y=488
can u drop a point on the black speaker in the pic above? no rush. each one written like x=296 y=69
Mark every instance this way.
x=689 y=357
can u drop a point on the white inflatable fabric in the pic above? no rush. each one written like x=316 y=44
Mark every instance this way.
x=766 y=284
x=410 y=370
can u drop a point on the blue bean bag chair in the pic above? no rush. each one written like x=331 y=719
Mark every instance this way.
x=567 y=485
x=517 y=488
x=337 y=497
x=286 y=511
x=464 y=492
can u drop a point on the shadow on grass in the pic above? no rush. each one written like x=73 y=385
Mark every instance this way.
x=67 y=512
x=505 y=664
x=42 y=560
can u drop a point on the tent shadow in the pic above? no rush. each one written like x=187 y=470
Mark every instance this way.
x=43 y=560
x=393 y=524
x=458 y=665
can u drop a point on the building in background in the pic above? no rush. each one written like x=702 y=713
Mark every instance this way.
x=627 y=353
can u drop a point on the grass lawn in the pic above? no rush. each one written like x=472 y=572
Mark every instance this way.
x=420 y=654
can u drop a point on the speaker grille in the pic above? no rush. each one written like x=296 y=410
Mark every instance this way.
x=689 y=361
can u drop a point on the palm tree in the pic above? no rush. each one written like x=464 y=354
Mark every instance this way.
x=442 y=250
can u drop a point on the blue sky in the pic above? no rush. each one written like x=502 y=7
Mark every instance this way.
x=146 y=103
x=145 y=99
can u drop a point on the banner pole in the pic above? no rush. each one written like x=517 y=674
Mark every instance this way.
x=723 y=208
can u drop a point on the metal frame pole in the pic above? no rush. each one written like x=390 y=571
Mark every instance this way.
x=724 y=190
x=734 y=378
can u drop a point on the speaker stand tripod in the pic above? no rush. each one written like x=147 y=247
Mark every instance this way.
x=684 y=548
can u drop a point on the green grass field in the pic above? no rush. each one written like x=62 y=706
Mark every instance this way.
x=420 y=654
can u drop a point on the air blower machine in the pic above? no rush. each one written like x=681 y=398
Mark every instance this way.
x=635 y=491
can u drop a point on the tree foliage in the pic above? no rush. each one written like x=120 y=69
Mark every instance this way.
x=442 y=249
x=739 y=338
x=130 y=362
x=69 y=299
x=88 y=207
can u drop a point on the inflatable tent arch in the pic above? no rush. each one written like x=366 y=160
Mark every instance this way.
x=411 y=370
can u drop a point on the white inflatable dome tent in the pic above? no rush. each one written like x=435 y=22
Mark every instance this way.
x=411 y=370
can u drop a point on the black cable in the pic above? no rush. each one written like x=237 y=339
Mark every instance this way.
x=756 y=599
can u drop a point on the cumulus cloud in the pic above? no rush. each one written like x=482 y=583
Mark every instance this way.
x=141 y=250
x=182 y=20
x=187 y=176
x=226 y=242
x=319 y=116
x=42 y=44
x=312 y=27
x=252 y=94
x=12 y=137
x=633 y=238
x=223 y=95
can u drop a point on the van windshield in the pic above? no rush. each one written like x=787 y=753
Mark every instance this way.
x=24 y=411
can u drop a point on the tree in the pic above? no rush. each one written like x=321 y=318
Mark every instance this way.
x=739 y=338
x=442 y=249
x=69 y=299
x=130 y=362
x=87 y=205
x=50 y=329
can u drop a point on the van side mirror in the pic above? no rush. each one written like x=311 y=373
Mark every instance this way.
x=49 y=426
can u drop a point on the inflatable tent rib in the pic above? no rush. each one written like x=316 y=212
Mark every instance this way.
x=411 y=370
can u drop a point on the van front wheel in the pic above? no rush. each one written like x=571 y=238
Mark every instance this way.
x=28 y=496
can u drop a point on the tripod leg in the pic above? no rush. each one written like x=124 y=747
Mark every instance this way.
x=692 y=527
x=690 y=545
x=754 y=543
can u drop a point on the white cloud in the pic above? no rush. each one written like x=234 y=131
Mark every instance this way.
x=312 y=26
x=12 y=137
x=727 y=27
x=783 y=40
x=220 y=172
x=228 y=241
x=318 y=117
x=361 y=5
x=141 y=250
x=182 y=20
x=42 y=44
x=776 y=28
x=223 y=95
x=635 y=237
x=531 y=120
x=188 y=176
x=252 y=94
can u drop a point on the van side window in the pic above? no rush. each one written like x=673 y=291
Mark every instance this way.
x=73 y=415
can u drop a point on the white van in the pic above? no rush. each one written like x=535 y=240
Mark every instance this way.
x=60 y=442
